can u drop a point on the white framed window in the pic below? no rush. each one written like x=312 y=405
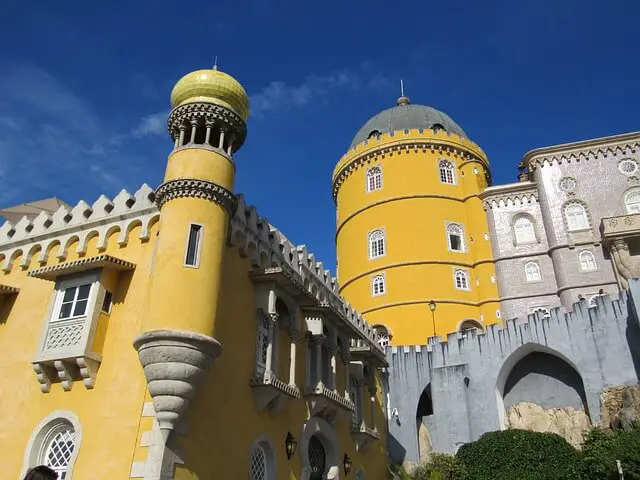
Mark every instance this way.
x=55 y=443
x=377 y=247
x=632 y=201
x=461 y=279
x=542 y=311
x=587 y=261
x=107 y=302
x=576 y=217
x=374 y=179
x=524 y=230
x=455 y=237
x=532 y=272
x=378 y=285
x=262 y=345
x=72 y=302
x=383 y=335
x=194 y=245
x=447 y=172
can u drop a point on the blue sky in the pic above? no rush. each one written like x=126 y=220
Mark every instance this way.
x=84 y=87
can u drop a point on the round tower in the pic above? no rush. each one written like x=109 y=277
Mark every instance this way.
x=196 y=201
x=413 y=249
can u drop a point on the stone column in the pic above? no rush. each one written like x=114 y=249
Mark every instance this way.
x=332 y=373
x=230 y=146
x=268 y=368
x=318 y=372
x=346 y=358
x=221 y=142
x=194 y=128
x=294 y=336
x=209 y=124
x=183 y=128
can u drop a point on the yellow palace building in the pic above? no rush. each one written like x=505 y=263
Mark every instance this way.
x=413 y=247
x=176 y=334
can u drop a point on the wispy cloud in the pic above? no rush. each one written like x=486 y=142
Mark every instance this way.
x=149 y=125
x=281 y=96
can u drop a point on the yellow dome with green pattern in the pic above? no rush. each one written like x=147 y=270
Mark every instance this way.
x=211 y=86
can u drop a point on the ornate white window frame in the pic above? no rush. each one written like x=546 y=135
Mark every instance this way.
x=587 y=217
x=43 y=434
x=457 y=229
x=373 y=179
x=634 y=207
x=447 y=172
x=263 y=442
x=377 y=280
x=520 y=217
x=532 y=272
x=376 y=235
x=461 y=272
x=384 y=334
x=585 y=258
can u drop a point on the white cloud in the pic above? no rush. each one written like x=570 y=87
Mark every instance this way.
x=154 y=124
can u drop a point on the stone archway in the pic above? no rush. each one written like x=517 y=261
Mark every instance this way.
x=319 y=445
x=424 y=421
x=539 y=389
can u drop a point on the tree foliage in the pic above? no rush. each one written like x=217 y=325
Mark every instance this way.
x=602 y=448
x=441 y=467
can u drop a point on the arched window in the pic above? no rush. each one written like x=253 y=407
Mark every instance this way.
x=532 y=272
x=378 y=286
x=461 y=279
x=376 y=244
x=455 y=237
x=469 y=325
x=437 y=127
x=587 y=261
x=447 y=172
x=55 y=443
x=373 y=134
x=258 y=464
x=576 y=217
x=317 y=458
x=374 y=179
x=632 y=201
x=383 y=335
x=542 y=311
x=524 y=230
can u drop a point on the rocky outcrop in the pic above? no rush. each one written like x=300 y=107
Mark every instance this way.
x=620 y=406
x=569 y=423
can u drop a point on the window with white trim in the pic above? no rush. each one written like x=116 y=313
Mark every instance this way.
x=461 y=279
x=447 y=172
x=378 y=286
x=374 y=179
x=587 y=261
x=532 y=272
x=632 y=201
x=73 y=302
x=377 y=247
x=194 y=245
x=54 y=444
x=524 y=231
x=455 y=237
x=576 y=217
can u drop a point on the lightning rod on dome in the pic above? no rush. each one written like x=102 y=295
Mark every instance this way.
x=401 y=88
x=215 y=63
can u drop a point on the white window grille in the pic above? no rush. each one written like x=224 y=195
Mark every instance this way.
x=587 y=261
x=258 y=464
x=383 y=336
x=632 y=201
x=447 y=172
x=576 y=217
x=524 y=231
x=378 y=286
x=262 y=346
x=455 y=237
x=532 y=272
x=59 y=450
x=377 y=247
x=461 y=279
x=374 y=179
x=73 y=302
x=317 y=458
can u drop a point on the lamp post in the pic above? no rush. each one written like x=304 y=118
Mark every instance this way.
x=290 y=445
x=432 y=307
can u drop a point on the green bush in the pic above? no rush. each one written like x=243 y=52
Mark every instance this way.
x=441 y=467
x=520 y=455
x=601 y=450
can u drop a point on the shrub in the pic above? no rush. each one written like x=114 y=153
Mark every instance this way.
x=441 y=467
x=601 y=450
x=520 y=455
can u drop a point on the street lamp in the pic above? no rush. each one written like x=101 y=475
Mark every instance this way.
x=432 y=307
x=290 y=445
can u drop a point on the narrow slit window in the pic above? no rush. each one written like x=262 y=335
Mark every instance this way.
x=193 y=245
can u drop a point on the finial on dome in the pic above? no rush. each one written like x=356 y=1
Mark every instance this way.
x=403 y=100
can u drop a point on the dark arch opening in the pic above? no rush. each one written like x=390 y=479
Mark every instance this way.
x=425 y=404
x=373 y=134
x=424 y=421
x=470 y=325
x=437 y=127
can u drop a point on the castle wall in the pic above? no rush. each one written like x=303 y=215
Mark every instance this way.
x=470 y=374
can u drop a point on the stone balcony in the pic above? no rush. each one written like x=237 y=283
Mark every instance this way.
x=271 y=392
x=621 y=236
x=327 y=403
x=362 y=435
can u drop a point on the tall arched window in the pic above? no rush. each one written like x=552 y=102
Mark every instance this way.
x=317 y=458
x=447 y=172
x=461 y=279
x=383 y=335
x=258 y=464
x=376 y=244
x=532 y=272
x=524 y=230
x=576 y=217
x=378 y=286
x=374 y=179
x=632 y=201
x=455 y=237
x=587 y=261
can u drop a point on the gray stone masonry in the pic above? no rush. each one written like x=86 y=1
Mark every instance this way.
x=562 y=361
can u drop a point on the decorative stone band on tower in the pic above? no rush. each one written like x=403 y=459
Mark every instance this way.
x=192 y=187
x=174 y=364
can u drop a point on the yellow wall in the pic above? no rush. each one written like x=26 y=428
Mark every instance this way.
x=413 y=207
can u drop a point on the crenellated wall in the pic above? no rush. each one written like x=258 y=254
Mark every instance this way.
x=472 y=376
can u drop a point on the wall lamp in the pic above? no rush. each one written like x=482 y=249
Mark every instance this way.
x=290 y=445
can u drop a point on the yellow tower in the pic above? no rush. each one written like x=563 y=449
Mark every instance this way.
x=207 y=123
x=413 y=249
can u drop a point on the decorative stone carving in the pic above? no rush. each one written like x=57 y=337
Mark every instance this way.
x=174 y=363
x=203 y=112
x=191 y=187
x=363 y=436
x=326 y=403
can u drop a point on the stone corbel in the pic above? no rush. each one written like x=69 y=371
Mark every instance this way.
x=175 y=363
x=363 y=436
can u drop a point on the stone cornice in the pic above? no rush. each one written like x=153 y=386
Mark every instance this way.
x=626 y=143
x=442 y=146
x=502 y=195
x=194 y=188
x=101 y=261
